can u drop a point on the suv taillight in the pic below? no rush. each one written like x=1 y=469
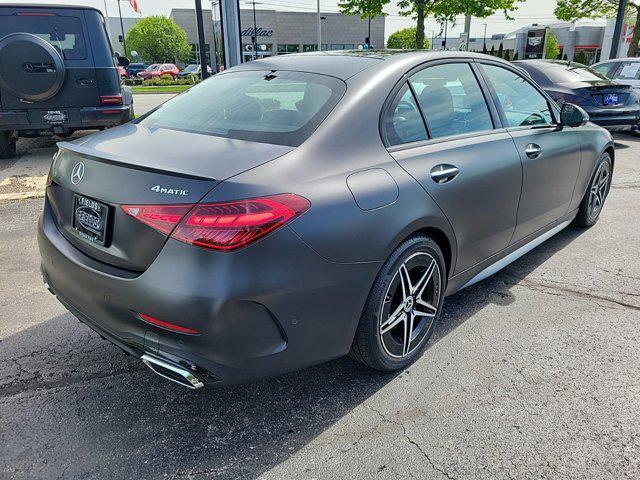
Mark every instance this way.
x=224 y=226
x=110 y=99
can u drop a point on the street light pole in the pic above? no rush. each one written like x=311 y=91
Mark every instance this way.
x=254 y=37
x=484 y=39
x=124 y=42
x=617 y=32
x=203 y=54
x=319 y=29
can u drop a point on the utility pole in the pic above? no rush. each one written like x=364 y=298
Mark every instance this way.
x=201 y=47
x=319 y=29
x=254 y=37
x=484 y=39
x=446 y=25
x=467 y=30
x=617 y=32
x=124 y=42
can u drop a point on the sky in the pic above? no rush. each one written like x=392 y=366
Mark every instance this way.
x=530 y=11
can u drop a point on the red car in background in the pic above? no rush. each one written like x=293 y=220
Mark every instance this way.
x=159 y=69
x=123 y=73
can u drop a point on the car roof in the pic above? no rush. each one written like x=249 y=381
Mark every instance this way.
x=625 y=59
x=49 y=6
x=344 y=64
x=545 y=64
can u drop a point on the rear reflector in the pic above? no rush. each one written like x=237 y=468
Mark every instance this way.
x=111 y=99
x=168 y=326
x=224 y=226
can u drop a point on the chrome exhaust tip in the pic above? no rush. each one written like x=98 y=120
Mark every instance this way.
x=172 y=372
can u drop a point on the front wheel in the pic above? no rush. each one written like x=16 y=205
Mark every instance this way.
x=403 y=306
x=596 y=194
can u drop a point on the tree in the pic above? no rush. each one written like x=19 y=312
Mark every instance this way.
x=515 y=56
x=405 y=39
x=159 y=39
x=572 y=10
x=492 y=52
x=501 y=50
x=552 y=50
x=419 y=10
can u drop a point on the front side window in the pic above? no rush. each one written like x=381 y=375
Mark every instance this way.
x=283 y=108
x=403 y=122
x=451 y=100
x=522 y=104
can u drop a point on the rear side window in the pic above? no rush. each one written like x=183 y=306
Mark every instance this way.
x=451 y=100
x=403 y=122
x=64 y=33
x=628 y=71
x=522 y=104
x=271 y=107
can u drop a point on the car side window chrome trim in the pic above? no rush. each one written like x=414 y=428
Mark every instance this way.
x=451 y=138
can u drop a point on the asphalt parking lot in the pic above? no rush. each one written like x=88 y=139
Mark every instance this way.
x=532 y=373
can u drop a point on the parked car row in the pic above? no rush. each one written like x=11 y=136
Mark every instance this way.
x=145 y=71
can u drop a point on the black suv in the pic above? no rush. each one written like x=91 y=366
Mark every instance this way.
x=58 y=73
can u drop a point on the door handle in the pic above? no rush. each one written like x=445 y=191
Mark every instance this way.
x=444 y=173
x=533 y=150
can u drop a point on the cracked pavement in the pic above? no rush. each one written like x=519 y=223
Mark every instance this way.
x=533 y=373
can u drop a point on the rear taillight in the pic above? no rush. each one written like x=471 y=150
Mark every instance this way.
x=163 y=218
x=110 y=99
x=224 y=226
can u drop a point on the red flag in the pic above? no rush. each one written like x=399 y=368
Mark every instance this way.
x=134 y=5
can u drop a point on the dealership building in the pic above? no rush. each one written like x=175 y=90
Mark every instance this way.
x=277 y=32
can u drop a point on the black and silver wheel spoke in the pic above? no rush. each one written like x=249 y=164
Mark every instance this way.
x=411 y=304
x=599 y=189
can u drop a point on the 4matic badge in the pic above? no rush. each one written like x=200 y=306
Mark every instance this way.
x=169 y=191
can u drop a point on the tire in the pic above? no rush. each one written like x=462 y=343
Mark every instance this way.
x=7 y=145
x=596 y=194
x=377 y=342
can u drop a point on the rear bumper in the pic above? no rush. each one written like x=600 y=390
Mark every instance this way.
x=274 y=307
x=615 y=119
x=78 y=118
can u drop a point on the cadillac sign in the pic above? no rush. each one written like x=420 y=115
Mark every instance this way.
x=257 y=32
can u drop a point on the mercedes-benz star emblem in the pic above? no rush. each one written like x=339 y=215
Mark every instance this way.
x=77 y=173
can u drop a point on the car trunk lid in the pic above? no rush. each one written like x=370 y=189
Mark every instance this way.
x=131 y=165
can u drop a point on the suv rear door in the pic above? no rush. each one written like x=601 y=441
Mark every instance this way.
x=66 y=29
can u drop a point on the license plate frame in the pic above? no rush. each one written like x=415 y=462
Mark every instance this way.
x=55 y=117
x=611 y=99
x=91 y=219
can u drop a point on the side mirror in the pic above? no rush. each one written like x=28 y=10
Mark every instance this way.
x=573 y=116
x=123 y=61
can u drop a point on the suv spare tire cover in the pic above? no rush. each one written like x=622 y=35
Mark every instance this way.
x=30 y=67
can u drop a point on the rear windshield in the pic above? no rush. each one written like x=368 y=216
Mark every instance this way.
x=64 y=33
x=282 y=108
x=573 y=73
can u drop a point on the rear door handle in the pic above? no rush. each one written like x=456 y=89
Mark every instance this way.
x=533 y=150
x=444 y=173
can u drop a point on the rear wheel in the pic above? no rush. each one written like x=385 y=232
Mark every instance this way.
x=403 y=306
x=7 y=145
x=596 y=194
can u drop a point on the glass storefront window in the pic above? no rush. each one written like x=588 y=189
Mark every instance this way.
x=342 y=46
x=288 y=48
x=216 y=16
x=313 y=47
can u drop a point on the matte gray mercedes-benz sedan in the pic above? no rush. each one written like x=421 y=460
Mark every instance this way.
x=296 y=209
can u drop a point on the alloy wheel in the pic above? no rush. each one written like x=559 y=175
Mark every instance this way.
x=410 y=305
x=599 y=189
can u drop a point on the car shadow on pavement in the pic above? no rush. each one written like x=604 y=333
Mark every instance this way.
x=74 y=396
